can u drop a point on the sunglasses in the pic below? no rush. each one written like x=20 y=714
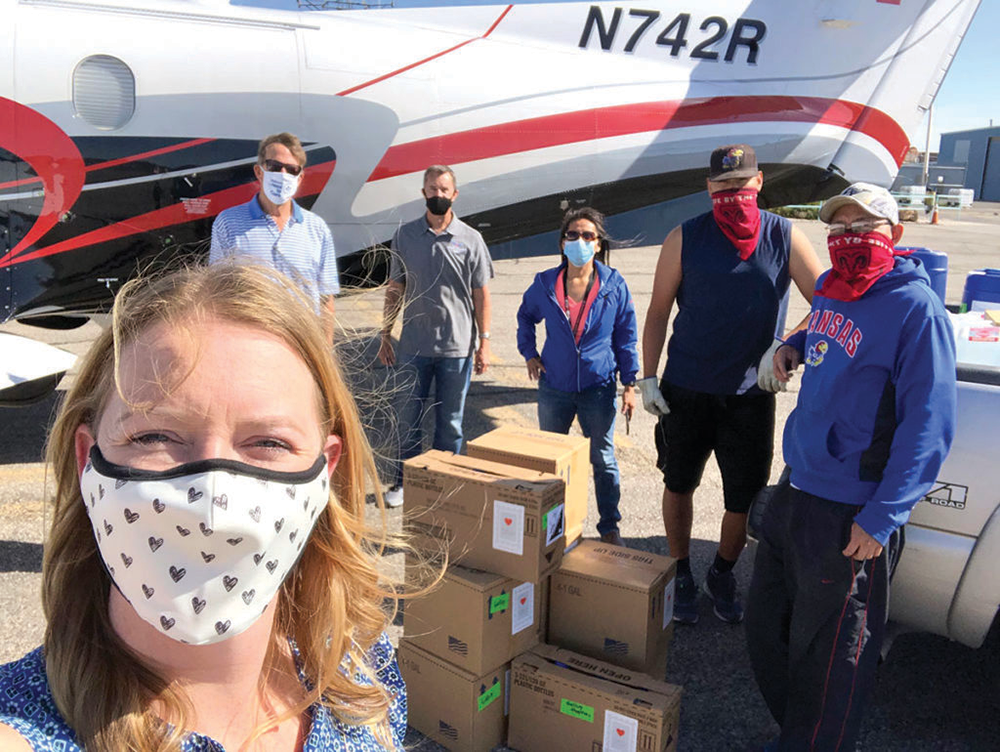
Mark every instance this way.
x=858 y=227
x=273 y=165
x=574 y=235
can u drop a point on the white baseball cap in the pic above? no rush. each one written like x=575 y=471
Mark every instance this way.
x=874 y=199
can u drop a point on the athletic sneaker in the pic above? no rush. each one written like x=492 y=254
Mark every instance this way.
x=394 y=497
x=685 y=599
x=721 y=589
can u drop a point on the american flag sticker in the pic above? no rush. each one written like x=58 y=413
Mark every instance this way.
x=615 y=647
x=447 y=730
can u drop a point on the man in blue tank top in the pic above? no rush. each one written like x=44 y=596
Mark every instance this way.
x=728 y=270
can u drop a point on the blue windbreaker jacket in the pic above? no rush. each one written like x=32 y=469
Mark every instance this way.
x=608 y=343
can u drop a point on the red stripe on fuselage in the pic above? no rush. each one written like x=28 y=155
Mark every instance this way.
x=313 y=182
x=120 y=161
x=418 y=63
x=622 y=120
x=53 y=156
x=147 y=154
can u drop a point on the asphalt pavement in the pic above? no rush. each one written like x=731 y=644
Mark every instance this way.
x=931 y=694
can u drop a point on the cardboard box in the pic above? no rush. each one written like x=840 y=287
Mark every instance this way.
x=556 y=453
x=460 y=710
x=561 y=700
x=543 y=617
x=476 y=620
x=615 y=604
x=498 y=518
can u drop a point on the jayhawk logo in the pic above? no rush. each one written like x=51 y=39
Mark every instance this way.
x=733 y=159
x=815 y=355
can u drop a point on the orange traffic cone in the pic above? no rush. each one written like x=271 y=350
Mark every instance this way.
x=935 y=218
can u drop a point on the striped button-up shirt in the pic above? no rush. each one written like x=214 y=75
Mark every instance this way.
x=303 y=250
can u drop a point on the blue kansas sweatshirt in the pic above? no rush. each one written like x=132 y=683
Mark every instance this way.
x=876 y=410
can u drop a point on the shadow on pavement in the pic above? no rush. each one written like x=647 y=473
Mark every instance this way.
x=16 y=556
x=25 y=429
x=377 y=389
x=954 y=706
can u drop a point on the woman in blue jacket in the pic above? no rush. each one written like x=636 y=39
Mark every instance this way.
x=590 y=338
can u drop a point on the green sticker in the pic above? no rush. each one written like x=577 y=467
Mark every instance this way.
x=489 y=696
x=577 y=710
x=499 y=603
x=545 y=517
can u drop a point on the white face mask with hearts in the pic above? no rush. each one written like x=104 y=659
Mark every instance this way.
x=279 y=187
x=201 y=549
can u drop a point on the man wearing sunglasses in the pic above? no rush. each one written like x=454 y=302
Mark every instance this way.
x=272 y=229
x=873 y=423
x=439 y=281
x=729 y=271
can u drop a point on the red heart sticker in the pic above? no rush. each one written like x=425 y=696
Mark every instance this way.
x=507 y=520
x=523 y=600
x=621 y=732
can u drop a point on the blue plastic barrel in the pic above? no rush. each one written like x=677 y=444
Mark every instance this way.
x=936 y=265
x=981 y=285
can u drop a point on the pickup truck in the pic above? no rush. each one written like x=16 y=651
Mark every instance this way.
x=948 y=577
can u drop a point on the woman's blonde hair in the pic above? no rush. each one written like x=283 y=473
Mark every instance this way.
x=333 y=603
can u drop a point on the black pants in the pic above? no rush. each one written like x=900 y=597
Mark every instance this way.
x=815 y=620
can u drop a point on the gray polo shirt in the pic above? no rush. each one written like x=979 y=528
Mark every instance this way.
x=440 y=272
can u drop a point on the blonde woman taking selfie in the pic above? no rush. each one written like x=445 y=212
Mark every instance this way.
x=209 y=582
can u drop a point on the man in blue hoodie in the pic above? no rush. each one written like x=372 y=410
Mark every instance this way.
x=874 y=421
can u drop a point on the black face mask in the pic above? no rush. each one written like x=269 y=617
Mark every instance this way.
x=438 y=205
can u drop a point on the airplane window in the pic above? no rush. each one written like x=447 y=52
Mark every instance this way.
x=104 y=92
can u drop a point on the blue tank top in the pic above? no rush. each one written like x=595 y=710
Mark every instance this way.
x=730 y=310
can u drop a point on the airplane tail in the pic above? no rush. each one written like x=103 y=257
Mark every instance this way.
x=924 y=55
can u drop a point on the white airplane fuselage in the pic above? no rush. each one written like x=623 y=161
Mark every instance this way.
x=536 y=107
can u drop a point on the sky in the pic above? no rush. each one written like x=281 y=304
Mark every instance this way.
x=969 y=97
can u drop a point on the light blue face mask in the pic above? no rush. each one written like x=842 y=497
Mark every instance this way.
x=579 y=252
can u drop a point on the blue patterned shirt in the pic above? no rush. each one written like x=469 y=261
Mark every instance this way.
x=27 y=706
x=302 y=251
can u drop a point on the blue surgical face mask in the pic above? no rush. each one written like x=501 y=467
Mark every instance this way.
x=579 y=252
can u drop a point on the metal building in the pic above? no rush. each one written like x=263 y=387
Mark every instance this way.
x=979 y=152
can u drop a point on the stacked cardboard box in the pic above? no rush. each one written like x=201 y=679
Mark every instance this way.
x=556 y=453
x=508 y=523
x=460 y=710
x=504 y=528
x=494 y=517
x=614 y=604
x=563 y=701
x=476 y=620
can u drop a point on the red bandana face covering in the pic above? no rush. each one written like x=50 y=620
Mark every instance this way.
x=738 y=217
x=858 y=263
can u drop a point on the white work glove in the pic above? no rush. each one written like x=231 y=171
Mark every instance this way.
x=652 y=398
x=766 y=379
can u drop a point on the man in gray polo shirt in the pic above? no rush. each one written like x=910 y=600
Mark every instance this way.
x=438 y=277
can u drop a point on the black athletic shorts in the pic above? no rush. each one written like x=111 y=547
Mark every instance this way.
x=739 y=428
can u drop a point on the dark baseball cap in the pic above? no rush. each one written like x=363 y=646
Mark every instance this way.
x=733 y=161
